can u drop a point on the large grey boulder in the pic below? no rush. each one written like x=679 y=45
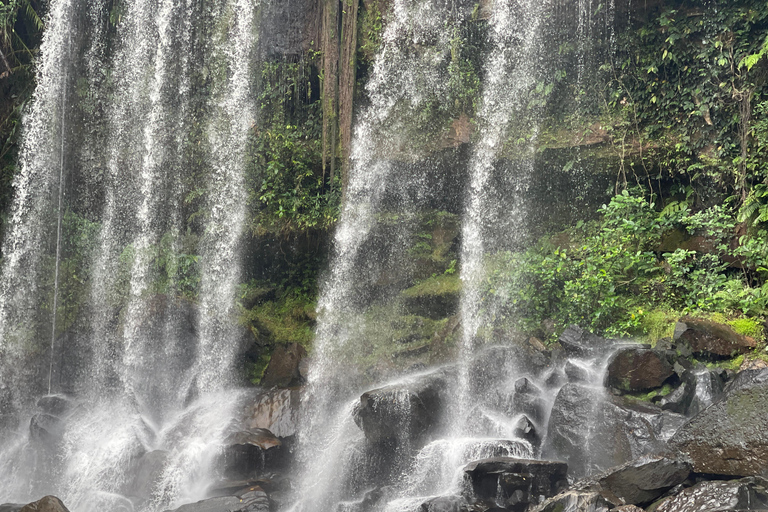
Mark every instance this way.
x=643 y=480
x=402 y=412
x=594 y=431
x=709 y=338
x=718 y=496
x=631 y=370
x=514 y=483
x=276 y=410
x=730 y=436
x=46 y=504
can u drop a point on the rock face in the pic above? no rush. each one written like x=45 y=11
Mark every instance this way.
x=284 y=367
x=730 y=437
x=575 y=501
x=710 y=338
x=252 y=500
x=276 y=410
x=515 y=483
x=738 y=495
x=637 y=369
x=445 y=504
x=594 y=431
x=250 y=452
x=46 y=504
x=402 y=412
x=577 y=342
x=643 y=480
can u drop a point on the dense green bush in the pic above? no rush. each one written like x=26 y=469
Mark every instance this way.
x=611 y=273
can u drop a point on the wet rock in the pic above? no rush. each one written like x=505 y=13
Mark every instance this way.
x=495 y=364
x=627 y=508
x=252 y=500
x=679 y=400
x=46 y=504
x=642 y=480
x=514 y=483
x=729 y=437
x=445 y=504
x=45 y=428
x=577 y=342
x=634 y=369
x=738 y=495
x=594 y=431
x=147 y=470
x=710 y=338
x=276 y=410
x=525 y=429
x=283 y=369
x=250 y=452
x=575 y=501
x=402 y=412
x=55 y=405
x=11 y=507
x=577 y=372
x=527 y=399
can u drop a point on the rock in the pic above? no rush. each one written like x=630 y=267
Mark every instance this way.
x=283 y=369
x=699 y=389
x=147 y=470
x=729 y=437
x=250 y=452
x=575 y=501
x=577 y=342
x=528 y=400
x=643 y=480
x=495 y=363
x=525 y=429
x=46 y=504
x=577 y=372
x=632 y=370
x=627 y=508
x=679 y=400
x=710 y=338
x=252 y=500
x=594 y=431
x=45 y=428
x=720 y=496
x=276 y=410
x=514 y=483
x=11 y=507
x=402 y=412
x=445 y=504
x=55 y=405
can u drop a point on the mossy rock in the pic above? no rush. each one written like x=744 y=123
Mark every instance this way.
x=436 y=297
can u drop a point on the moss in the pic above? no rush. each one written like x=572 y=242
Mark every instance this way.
x=658 y=324
x=647 y=397
x=436 y=286
x=256 y=370
x=747 y=327
x=289 y=319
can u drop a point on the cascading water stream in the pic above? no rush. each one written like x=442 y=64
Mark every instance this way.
x=148 y=387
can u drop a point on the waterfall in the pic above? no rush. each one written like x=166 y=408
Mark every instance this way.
x=142 y=375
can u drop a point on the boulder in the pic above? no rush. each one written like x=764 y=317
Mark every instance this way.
x=631 y=370
x=528 y=400
x=56 y=405
x=575 y=501
x=248 y=453
x=577 y=372
x=514 y=483
x=627 y=508
x=525 y=429
x=11 y=507
x=402 y=412
x=729 y=437
x=494 y=364
x=252 y=500
x=46 y=504
x=147 y=470
x=276 y=410
x=577 y=342
x=710 y=338
x=445 y=504
x=720 y=496
x=643 y=480
x=45 y=428
x=594 y=431
x=283 y=369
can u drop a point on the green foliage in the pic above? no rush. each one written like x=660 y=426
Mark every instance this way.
x=289 y=190
x=612 y=274
x=685 y=82
x=445 y=284
x=290 y=318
